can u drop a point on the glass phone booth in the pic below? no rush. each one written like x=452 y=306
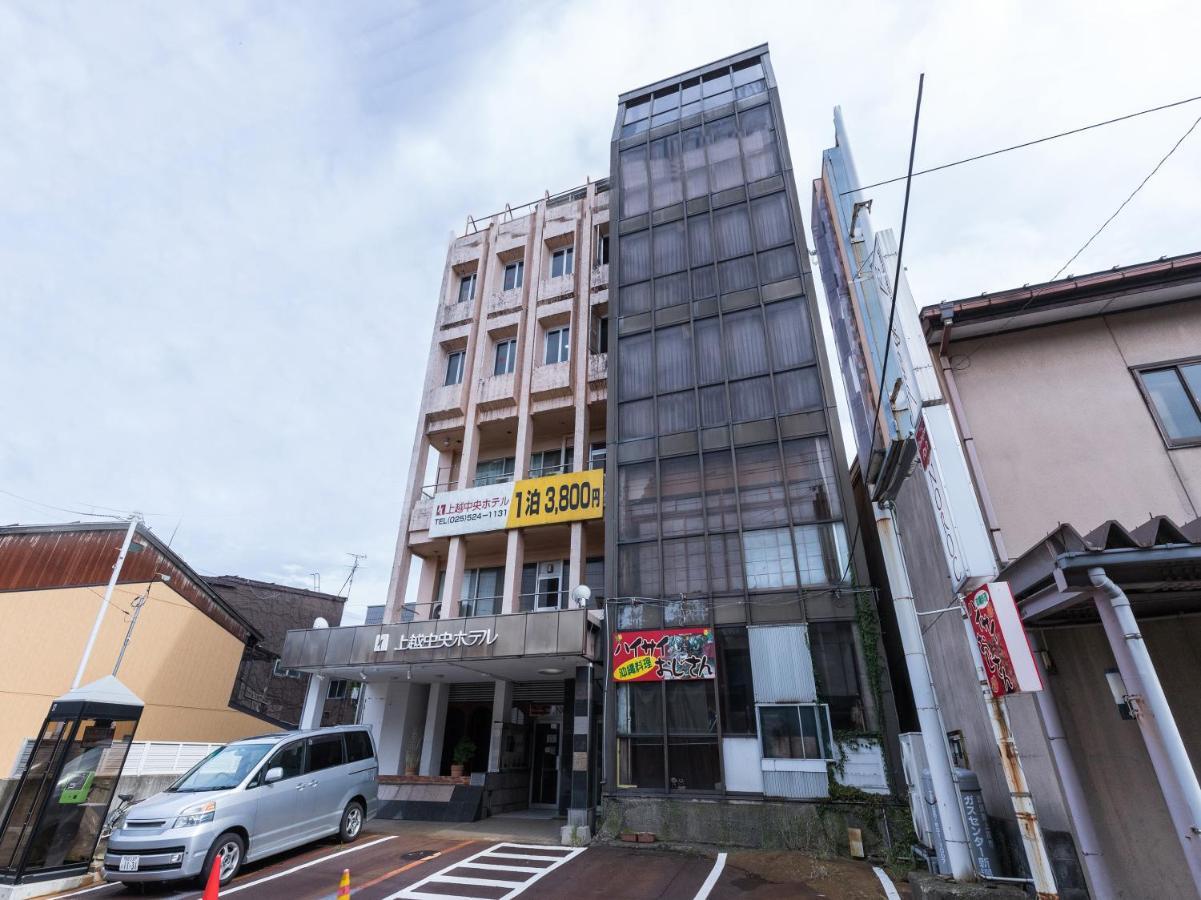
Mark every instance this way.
x=53 y=822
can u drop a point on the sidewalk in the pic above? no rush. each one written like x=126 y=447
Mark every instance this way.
x=519 y=828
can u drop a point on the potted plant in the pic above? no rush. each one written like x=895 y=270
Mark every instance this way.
x=413 y=752
x=463 y=753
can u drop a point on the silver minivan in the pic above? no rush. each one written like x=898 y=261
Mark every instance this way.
x=250 y=799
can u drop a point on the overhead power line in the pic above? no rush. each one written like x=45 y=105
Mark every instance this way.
x=1141 y=185
x=1024 y=144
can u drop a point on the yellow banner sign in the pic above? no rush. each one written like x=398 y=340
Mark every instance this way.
x=570 y=497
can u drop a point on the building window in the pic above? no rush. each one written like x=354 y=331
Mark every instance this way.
x=737 y=683
x=494 y=471
x=597 y=455
x=514 y=275
x=832 y=646
x=481 y=592
x=506 y=357
x=454 y=367
x=1174 y=394
x=562 y=262
x=338 y=689
x=558 y=345
x=551 y=462
x=598 y=338
x=602 y=249
x=795 y=731
x=467 y=288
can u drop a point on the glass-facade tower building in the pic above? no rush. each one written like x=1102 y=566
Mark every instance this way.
x=732 y=508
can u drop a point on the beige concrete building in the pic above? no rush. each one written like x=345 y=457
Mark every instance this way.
x=480 y=680
x=182 y=658
x=1079 y=404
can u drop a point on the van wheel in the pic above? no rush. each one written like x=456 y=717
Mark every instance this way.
x=352 y=822
x=232 y=849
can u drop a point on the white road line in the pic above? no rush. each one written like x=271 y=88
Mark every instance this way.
x=311 y=862
x=890 y=890
x=500 y=868
x=444 y=876
x=712 y=879
x=99 y=887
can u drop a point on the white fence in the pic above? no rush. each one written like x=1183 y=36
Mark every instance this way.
x=145 y=758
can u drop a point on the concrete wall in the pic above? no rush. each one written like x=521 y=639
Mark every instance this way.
x=817 y=828
x=1061 y=428
x=180 y=662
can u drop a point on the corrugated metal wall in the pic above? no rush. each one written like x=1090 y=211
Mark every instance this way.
x=781 y=664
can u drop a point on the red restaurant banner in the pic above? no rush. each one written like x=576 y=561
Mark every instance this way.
x=1004 y=647
x=673 y=654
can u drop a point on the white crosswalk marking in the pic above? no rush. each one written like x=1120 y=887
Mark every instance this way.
x=517 y=853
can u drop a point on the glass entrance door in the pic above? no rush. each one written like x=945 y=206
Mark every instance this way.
x=544 y=775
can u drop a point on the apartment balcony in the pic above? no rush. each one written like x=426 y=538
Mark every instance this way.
x=551 y=381
x=446 y=401
x=466 y=249
x=600 y=278
x=497 y=392
x=500 y=303
x=453 y=314
x=598 y=368
x=556 y=288
x=423 y=509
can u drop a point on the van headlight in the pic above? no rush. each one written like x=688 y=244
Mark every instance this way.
x=196 y=815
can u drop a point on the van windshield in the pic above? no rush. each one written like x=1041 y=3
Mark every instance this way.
x=223 y=769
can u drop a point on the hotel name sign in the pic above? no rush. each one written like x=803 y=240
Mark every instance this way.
x=550 y=500
x=436 y=640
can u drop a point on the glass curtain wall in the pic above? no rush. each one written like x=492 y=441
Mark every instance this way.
x=725 y=476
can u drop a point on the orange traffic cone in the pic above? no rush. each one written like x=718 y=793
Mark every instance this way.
x=343 y=886
x=213 y=886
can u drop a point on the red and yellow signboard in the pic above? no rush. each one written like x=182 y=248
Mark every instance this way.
x=1004 y=647
x=673 y=654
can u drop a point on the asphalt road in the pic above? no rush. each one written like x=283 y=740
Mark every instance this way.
x=416 y=866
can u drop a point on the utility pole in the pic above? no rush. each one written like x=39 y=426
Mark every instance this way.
x=138 y=602
x=134 y=519
x=354 y=567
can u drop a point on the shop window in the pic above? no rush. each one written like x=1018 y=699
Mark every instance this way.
x=640 y=761
x=795 y=731
x=692 y=759
x=737 y=683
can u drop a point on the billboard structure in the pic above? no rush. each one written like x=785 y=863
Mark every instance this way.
x=902 y=422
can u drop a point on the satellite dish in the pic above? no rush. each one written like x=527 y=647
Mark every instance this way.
x=320 y=622
x=582 y=594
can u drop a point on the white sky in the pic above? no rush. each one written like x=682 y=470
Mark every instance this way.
x=223 y=226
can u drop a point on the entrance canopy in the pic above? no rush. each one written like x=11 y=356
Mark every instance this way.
x=517 y=647
x=1157 y=564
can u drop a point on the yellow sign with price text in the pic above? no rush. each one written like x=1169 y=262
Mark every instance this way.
x=570 y=497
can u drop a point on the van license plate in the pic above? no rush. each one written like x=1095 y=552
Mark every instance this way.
x=130 y=863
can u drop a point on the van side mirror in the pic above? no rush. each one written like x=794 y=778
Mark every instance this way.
x=275 y=773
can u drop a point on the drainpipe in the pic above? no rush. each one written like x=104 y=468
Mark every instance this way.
x=934 y=737
x=1156 y=716
x=1089 y=845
